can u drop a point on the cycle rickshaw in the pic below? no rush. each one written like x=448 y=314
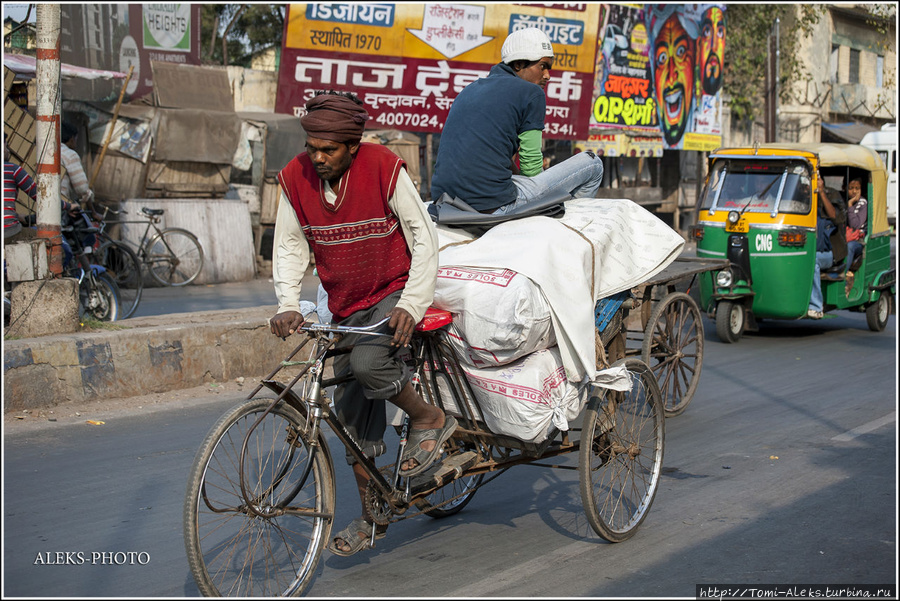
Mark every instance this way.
x=261 y=497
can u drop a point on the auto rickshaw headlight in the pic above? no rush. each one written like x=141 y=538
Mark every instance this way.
x=733 y=217
x=724 y=278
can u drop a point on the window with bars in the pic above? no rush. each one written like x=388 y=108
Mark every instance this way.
x=835 y=62
x=853 y=74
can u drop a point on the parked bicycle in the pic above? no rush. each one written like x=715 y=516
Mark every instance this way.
x=260 y=502
x=173 y=256
x=122 y=264
x=98 y=293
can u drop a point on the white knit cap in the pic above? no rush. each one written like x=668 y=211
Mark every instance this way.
x=528 y=44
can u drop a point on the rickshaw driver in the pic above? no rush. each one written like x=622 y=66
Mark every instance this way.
x=356 y=208
x=826 y=229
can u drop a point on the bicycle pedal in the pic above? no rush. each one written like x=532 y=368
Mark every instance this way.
x=445 y=472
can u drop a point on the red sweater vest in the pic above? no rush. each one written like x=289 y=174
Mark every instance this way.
x=361 y=254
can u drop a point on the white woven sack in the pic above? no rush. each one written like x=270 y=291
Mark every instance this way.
x=524 y=399
x=499 y=315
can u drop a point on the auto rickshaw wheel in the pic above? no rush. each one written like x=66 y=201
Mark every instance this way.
x=877 y=313
x=730 y=317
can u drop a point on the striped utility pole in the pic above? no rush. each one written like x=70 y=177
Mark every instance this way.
x=48 y=109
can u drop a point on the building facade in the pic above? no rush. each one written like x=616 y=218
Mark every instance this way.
x=852 y=91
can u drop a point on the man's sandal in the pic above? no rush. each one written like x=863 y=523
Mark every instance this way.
x=350 y=535
x=415 y=451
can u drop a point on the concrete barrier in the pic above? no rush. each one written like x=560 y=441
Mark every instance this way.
x=148 y=355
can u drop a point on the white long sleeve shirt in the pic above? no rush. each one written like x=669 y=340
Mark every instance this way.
x=291 y=254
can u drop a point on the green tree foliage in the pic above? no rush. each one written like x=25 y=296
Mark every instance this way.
x=749 y=26
x=246 y=29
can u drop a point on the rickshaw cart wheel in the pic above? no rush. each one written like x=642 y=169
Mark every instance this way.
x=673 y=348
x=729 y=321
x=877 y=313
x=621 y=454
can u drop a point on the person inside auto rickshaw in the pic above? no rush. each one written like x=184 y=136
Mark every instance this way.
x=857 y=216
x=831 y=247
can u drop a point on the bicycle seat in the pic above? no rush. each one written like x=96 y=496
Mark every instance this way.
x=152 y=212
x=434 y=319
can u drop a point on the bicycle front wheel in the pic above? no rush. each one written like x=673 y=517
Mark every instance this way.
x=267 y=540
x=174 y=257
x=123 y=265
x=621 y=453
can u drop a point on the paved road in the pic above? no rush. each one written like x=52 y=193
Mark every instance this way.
x=782 y=470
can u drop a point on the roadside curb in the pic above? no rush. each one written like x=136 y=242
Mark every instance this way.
x=153 y=354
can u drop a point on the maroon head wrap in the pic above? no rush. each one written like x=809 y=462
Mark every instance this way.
x=333 y=117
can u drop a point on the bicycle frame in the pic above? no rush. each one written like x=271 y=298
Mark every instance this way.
x=313 y=405
x=151 y=221
x=264 y=528
x=497 y=452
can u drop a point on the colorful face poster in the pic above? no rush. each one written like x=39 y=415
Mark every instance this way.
x=622 y=94
x=659 y=67
x=408 y=62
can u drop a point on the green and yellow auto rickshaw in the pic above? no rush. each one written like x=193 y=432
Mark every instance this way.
x=758 y=209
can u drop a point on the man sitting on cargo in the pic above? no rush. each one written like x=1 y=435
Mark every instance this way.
x=498 y=117
x=354 y=205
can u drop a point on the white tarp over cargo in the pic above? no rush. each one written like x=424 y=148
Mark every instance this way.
x=600 y=247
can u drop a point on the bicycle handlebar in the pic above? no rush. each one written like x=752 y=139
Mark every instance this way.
x=333 y=328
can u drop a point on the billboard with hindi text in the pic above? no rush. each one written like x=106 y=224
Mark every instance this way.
x=407 y=62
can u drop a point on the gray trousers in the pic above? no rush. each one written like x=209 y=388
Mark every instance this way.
x=380 y=373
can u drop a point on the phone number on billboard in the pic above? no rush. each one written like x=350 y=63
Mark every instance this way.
x=562 y=129
x=409 y=120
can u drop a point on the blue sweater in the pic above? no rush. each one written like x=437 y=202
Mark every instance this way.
x=481 y=136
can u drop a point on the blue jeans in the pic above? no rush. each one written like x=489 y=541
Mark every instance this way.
x=578 y=176
x=854 y=249
x=823 y=261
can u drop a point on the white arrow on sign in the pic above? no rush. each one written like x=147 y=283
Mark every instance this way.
x=452 y=29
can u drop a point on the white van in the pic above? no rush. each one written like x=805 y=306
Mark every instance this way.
x=884 y=142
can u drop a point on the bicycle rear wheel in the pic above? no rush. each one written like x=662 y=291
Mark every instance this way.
x=123 y=265
x=174 y=257
x=621 y=453
x=267 y=545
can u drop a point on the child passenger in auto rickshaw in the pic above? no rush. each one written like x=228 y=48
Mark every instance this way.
x=857 y=216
